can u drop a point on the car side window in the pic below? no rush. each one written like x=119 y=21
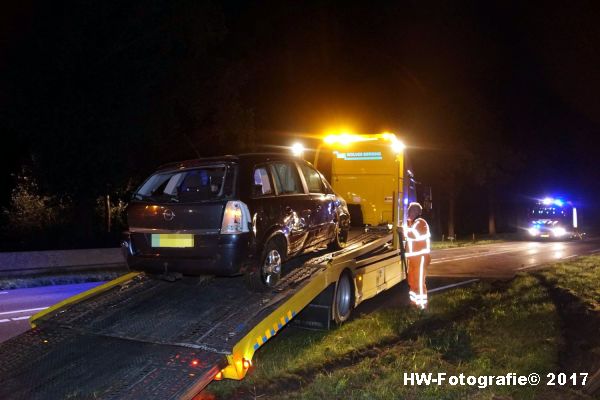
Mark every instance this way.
x=261 y=185
x=286 y=178
x=313 y=179
x=328 y=188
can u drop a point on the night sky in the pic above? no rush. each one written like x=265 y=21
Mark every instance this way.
x=108 y=91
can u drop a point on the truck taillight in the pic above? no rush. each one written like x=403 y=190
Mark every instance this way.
x=235 y=218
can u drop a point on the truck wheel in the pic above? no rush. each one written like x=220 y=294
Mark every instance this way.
x=343 y=298
x=340 y=238
x=269 y=269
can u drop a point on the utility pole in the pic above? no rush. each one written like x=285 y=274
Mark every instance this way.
x=107 y=212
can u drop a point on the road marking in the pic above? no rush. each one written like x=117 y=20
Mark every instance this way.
x=595 y=251
x=502 y=250
x=437 y=289
x=20 y=311
x=531 y=266
x=547 y=262
x=15 y=319
x=466 y=257
x=3 y=292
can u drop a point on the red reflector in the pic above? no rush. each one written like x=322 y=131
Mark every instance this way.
x=219 y=376
x=194 y=362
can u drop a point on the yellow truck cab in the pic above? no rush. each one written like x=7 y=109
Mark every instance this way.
x=368 y=171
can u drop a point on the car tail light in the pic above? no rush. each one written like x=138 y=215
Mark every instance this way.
x=235 y=218
x=219 y=376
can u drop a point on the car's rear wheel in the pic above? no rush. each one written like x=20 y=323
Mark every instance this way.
x=340 y=238
x=268 y=272
x=343 y=299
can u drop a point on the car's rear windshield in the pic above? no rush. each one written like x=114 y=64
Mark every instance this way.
x=213 y=182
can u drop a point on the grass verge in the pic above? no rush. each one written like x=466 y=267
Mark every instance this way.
x=529 y=324
x=462 y=243
x=59 y=279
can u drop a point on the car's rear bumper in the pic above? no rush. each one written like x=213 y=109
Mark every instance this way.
x=216 y=254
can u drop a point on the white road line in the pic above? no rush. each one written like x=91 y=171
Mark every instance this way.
x=3 y=292
x=595 y=251
x=4 y=320
x=437 y=289
x=538 y=265
x=513 y=249
x=466 y=257
x=546 y=262
x=21 y=318
x=20 y=311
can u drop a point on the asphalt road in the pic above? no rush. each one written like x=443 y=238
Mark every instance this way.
x=504 y=260
x=449 y=267
x=17 y=305
x=463 y=265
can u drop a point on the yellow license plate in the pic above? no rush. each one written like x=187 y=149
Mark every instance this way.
x=179 y=240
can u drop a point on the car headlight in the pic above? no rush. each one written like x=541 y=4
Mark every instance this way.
x=533 y=231
x=559 y=231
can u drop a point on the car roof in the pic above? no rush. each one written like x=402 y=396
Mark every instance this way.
x=248 y=157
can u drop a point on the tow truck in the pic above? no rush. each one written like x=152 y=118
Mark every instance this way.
x=368 y=170
x=140 y=336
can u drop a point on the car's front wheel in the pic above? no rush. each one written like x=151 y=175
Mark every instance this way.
x=269 y=269
x=340 y=238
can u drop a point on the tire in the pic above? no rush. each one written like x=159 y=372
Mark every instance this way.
x=343 y=298
x=268 y=272
x=340 y=238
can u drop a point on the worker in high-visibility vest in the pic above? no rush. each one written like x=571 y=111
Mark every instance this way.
x=416 y=232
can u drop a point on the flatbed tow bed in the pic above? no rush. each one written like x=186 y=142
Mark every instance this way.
x=139 y=337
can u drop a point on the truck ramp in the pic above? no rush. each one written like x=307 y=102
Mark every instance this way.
x=59 y=363
x=148 y=338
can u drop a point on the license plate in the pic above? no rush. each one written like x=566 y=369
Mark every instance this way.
x=544 y=236
x=179 y=240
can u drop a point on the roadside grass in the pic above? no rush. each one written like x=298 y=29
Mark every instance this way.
x=485 y=329
x=490 y=328
x=446 y=244
x=20 y=282
x=580 y=277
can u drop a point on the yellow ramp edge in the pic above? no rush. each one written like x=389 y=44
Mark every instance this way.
x=266 y=329
x=83 y=295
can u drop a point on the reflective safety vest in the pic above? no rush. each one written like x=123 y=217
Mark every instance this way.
x=417 y=255
x=418 y=238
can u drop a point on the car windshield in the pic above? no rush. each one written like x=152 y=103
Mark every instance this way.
x=189 y=185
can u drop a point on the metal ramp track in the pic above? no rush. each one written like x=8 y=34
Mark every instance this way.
x=147 y=338
x=59 y=364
